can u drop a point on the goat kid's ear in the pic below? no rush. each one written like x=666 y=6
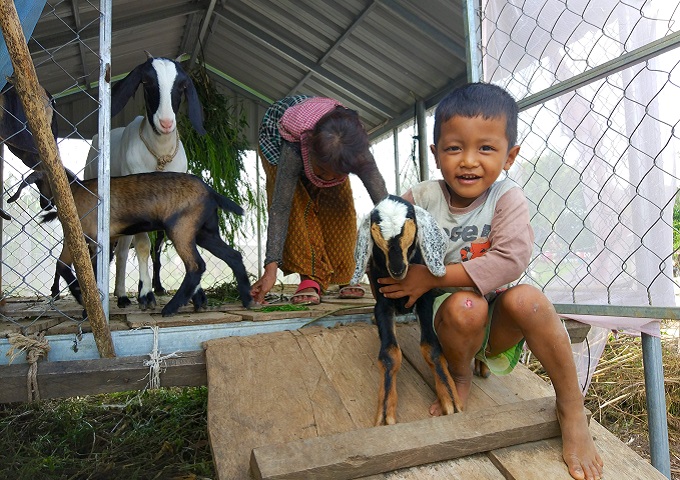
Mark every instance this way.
x=195 y=110
x=432 y=242
x=126 y=88
x=362 y=251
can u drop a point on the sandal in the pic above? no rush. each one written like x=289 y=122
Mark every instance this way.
x=310 y=298
x=347 y=291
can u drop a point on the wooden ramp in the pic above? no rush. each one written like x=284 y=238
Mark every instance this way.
x=301 y=404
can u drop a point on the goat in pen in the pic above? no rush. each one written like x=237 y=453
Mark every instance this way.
x=392 y=236
x=148 y=143
x=181 y=204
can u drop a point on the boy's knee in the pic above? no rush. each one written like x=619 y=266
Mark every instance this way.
x=463 y=312
x=526 y=301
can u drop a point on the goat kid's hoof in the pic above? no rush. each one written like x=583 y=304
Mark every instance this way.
x=123 y=302
x=200 y=300
x=147 y=301
x=168 y=312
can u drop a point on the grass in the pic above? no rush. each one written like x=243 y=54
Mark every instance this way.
x=162 y=434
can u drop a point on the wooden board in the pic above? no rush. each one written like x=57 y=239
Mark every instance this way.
x=288 y=386
x=138 y=320
x=620 y=462
x=103 y=375
x=374 y=450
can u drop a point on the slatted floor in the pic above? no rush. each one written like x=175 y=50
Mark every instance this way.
x=318 y=383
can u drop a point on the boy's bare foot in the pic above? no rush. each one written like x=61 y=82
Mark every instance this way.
x=578 y=449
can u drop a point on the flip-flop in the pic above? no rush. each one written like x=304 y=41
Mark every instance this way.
x=315 y=297
x=346 y=291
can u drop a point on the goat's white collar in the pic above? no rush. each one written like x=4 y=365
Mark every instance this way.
x=161 y=160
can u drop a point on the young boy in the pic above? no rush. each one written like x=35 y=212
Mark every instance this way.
x=482 y=317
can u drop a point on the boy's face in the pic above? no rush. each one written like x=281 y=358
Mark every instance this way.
x=471 y=153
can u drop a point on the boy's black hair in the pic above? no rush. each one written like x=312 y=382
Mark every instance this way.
x=478 y=99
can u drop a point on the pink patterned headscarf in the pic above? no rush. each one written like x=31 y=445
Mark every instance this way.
x=297 y=121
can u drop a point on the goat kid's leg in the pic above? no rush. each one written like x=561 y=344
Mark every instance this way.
x=218 y=247
x=434 y=356
x=145 y=295
x=199 y=299
x=159 y=241
x=194 y=267
x=390 y=357
x=54 y=291
x=122 y=249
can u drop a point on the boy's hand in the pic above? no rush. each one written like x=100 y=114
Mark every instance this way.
x=418 y=280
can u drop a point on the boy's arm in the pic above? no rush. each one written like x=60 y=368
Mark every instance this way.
x=512 y=240
x=419 y=280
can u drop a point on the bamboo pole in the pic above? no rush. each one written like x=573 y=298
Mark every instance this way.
x=35 y=104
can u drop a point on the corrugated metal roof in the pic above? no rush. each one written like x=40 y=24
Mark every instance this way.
x=377 y=57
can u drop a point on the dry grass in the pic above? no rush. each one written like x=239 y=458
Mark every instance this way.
x=616 y=396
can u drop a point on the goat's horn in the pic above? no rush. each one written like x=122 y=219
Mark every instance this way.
x=179 y=58
x=148 y=55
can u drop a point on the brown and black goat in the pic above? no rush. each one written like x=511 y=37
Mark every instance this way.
x=182 y=205
x=392 y=236
x=15 y=134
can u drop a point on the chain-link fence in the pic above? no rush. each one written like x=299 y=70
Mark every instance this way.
x=597 y=83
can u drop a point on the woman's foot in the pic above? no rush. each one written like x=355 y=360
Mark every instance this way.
x=352 y=291
x=307 y=293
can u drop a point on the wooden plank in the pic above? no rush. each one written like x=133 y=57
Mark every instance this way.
x=138 y=320
x=263 y=389
x=382 y=449
x=349 y=356
x=283 y=386
x=542 y=460
x=104 y=375
x=473 y=467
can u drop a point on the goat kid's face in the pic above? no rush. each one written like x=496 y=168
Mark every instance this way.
x=394 y=233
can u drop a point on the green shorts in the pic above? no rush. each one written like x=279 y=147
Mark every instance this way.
x=500 y=364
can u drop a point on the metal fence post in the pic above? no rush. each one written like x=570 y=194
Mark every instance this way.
x=656 y=404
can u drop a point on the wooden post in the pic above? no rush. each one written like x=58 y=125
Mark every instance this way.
x=35 y=103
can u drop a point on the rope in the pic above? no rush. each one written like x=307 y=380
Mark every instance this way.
x=154 y=362
x=161 y=160
x=34 y=348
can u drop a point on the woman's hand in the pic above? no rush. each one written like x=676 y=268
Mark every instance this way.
x=418 y=280
x=265 y=283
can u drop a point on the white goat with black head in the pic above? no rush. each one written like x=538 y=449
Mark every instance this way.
x=392 y=236
x=149 y=143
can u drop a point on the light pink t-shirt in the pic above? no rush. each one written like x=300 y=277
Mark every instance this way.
x=492 y=238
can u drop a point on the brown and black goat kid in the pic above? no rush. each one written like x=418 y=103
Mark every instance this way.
x=182 y=205
x=392 y=236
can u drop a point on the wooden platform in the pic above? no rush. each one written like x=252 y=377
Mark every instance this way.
x=320 y=385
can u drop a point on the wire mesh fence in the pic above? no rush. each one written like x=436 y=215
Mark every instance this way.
x=597 y=83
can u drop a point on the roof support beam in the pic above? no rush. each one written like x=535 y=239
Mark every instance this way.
x=259 y=35
x=357 y=21
x=201 y=36
x=75 y=8
x=91 y=32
